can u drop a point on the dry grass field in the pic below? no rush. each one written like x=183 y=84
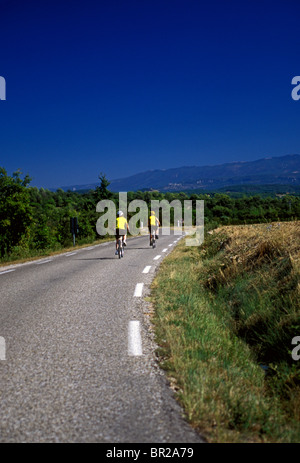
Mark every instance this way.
x=225 y=316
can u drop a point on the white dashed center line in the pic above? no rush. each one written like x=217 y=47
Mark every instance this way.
x=138 y=290
x=134 y=338
x=147 y=269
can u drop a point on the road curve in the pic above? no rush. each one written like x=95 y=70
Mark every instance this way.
x=79 y=362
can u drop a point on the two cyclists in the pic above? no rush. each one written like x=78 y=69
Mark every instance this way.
x=122 y=228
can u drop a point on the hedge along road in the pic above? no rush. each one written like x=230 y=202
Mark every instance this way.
x=79 y=361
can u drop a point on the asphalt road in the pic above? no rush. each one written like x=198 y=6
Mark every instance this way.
x=78 y=362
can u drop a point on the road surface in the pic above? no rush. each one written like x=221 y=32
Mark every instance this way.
x=77 y=361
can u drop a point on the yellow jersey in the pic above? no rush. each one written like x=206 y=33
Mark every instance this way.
x=152 y=220
x=121 y=223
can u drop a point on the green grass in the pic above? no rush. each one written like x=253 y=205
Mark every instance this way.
x=216 y=321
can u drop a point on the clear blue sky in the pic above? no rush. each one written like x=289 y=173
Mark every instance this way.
x=123 y=86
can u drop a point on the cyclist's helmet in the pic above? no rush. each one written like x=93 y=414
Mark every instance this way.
x=152 y=213
x=120 y=213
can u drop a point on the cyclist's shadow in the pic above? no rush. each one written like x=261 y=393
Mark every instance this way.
x=98 y=258
x=133 y=249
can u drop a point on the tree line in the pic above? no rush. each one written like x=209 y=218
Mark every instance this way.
x=33 y=219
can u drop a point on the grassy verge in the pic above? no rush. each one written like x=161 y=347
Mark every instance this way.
x=225 y=316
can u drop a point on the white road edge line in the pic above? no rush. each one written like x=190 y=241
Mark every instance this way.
x=147 y=269
x=70 y=254
x=2 y=348
x=138 y=290
x=165 y=250
x=44 y=262
x=171 y=244
x=7 y=271
x=134 y=338
x=157 y=257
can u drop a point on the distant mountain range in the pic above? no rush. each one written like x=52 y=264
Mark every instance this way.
x=284 y=170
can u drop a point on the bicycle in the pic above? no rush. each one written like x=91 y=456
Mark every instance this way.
x=153 y=241
x=120 y=248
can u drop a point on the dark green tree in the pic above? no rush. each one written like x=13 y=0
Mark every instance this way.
x=15 y=210
x=102 y=192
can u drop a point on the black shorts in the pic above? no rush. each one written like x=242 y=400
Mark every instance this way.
x=120 y=232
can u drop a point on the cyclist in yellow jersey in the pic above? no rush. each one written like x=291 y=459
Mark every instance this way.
x=121 y=229
x=153 y=224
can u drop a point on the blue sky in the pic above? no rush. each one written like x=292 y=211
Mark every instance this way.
x=124 y=86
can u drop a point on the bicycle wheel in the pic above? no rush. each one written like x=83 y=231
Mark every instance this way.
x=120 y=248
